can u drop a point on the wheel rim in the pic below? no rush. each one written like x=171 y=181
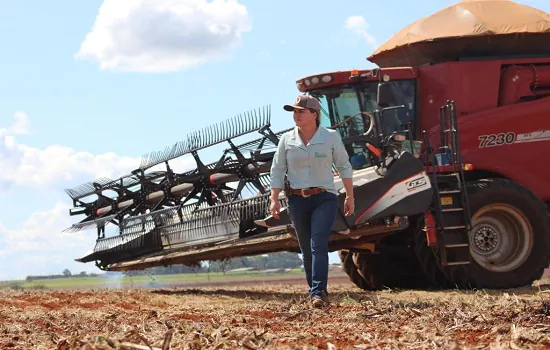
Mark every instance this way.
x=501 y=238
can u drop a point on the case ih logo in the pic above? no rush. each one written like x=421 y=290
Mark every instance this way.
x=416 y=183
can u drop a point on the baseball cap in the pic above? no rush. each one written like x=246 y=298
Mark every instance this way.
x=303 y=102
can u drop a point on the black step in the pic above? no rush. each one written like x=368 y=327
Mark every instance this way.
x=448 y=175
x=454 y=236
x=452 y=210
x=451 y=199
x=456 y=254
x=455 y=245
x=458 y=263
x=449 y=192
x=458 y=245
x=457 y=227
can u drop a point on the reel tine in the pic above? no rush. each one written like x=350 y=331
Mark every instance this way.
x=209 y=136
x=203 y=136
x=213 y=129
x=80 y=191
x=245 y=120
x=104 y=183
x=89 y=224
x=88 y=188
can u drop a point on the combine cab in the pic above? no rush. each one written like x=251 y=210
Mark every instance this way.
x=447 y=194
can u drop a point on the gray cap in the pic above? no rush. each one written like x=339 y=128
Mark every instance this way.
x=303 y=102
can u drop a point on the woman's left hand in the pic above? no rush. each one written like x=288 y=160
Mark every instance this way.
x=349 y=206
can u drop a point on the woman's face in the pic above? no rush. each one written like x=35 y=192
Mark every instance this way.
x=304 y=117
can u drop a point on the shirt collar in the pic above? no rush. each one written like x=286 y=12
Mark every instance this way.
x=318 y=137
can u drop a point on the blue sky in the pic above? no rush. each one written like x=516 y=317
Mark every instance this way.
x=89 y=86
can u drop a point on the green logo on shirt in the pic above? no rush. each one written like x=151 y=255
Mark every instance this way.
x=320 y=155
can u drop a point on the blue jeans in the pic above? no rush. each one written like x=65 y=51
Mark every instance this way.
x=312 y=218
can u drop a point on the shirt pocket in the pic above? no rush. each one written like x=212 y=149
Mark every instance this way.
x=296 y=157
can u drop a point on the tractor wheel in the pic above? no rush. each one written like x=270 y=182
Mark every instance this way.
x=509 y=239
x=349 y=268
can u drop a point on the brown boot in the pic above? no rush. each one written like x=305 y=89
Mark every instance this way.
x=320 y=301
x=317 y=302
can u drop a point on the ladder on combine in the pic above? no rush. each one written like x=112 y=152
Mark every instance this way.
x=452 y=206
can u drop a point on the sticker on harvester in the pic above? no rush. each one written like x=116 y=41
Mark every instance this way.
x=492 y=140
x=535 y=136
x=508 y=138
x=416 y=183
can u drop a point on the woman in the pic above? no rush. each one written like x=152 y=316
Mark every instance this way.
x=306 y=155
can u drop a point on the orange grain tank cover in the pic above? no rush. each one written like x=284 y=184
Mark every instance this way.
x=469 y=28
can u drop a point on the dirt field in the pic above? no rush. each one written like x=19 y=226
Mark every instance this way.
x=274 y=316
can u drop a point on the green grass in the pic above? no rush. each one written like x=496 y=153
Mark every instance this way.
x=127 y=281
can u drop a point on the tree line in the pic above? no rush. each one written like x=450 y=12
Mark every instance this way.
x=65 y=274
x=282 y=260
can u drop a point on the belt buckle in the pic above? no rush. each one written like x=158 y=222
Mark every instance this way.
x=302 y=190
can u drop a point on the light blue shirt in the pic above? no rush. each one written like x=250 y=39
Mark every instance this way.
x=310 y=165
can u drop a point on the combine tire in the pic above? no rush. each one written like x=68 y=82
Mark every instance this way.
x=384 y=270
x=509 y=240
x=349 y=268
x=391 y=270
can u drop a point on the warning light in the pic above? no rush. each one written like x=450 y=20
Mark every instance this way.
x=354 y=73
x=468 y=167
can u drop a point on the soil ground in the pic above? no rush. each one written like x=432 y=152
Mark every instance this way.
x=274 y=315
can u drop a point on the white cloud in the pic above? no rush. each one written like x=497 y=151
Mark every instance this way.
x=164 y=35
x=39 y=246
x=21 y=126
x=359 y=26
x=23 y=165
x=56 y=165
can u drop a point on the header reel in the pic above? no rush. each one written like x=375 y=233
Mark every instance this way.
x=145 y=191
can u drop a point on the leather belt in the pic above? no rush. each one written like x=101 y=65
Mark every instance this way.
x=306 y=192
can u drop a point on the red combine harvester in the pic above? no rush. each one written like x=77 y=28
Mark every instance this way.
x=447 y=138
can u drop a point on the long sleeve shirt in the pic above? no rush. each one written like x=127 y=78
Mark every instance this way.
x=310 y=165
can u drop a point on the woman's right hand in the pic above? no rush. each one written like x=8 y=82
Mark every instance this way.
x=275 y=208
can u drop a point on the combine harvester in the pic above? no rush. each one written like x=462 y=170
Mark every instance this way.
x=431 y=210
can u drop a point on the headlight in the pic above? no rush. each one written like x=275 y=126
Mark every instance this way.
x=326 y=78
x=315 y=80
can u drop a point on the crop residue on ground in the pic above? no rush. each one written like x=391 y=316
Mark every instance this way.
x=273 y=316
